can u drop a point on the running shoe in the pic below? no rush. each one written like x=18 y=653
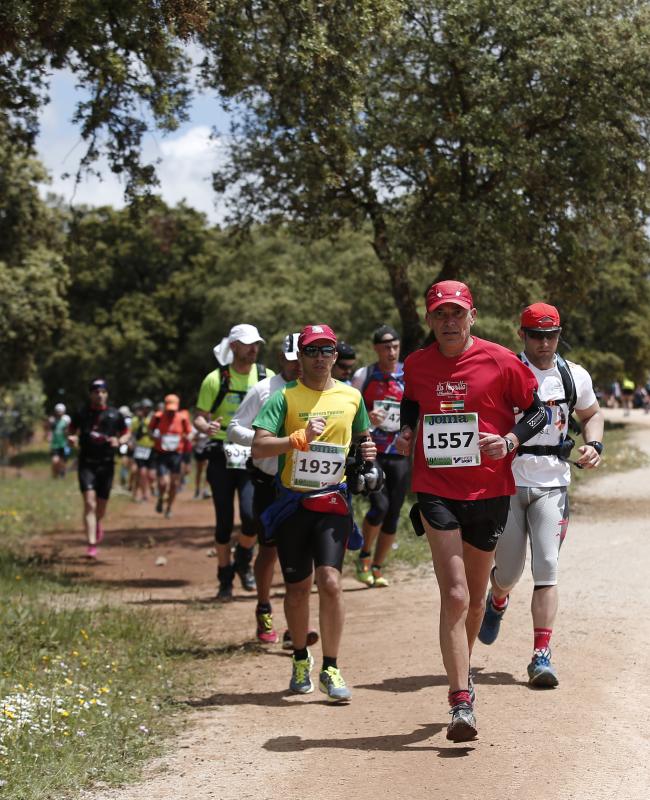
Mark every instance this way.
x=159 y=505
x=540 y=670
x=247 y=579
x=462 y=727
x=265 y=631
x=491 y=621
x=168 y=513
x=224 y=595
x=197 y=494
x=300 y=675
x=91 y=552
x=378 y=579
x=364 y=571
x=99 y=532
x=332 y=684
x=287 y=643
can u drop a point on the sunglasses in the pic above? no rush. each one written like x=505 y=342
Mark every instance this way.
x=542 y=334
x=312 y=350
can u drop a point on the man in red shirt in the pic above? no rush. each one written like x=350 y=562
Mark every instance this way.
x=170 y=429
x=458 y=419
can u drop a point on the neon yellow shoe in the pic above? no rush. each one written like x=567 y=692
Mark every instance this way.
x=332 y=684
x=363 y=571
x=300 y=675
x=377 y=578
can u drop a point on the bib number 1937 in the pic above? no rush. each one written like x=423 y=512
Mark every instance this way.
x=451 y=440
x=323 y=465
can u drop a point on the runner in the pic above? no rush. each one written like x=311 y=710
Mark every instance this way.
x=126 y=451
x=343 y=367
x=142 y=444
x=98 y=430
x=220 y=395
x=309 y=425
x=263 y=472
x=461 y=391
x=169 y=429
x=200 y=441
x=539 y=511
x=382 y=387
x=59 y=447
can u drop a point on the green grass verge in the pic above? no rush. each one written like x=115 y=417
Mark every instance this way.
x=86 y=692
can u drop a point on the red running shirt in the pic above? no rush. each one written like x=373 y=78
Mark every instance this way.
x=487 y=379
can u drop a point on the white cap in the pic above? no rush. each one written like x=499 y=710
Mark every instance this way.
x=290 y=346
x=125 y=411
x=59 y=408
x=246 y=334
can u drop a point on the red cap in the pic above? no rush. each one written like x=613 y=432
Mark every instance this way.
x=172 y=402
x=540 y=317
x=449 y=292
x=312 y=333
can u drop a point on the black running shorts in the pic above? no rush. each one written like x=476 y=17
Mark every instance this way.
x=168 y=462
x=481 y=522
x=96 y=476
x=310 y=539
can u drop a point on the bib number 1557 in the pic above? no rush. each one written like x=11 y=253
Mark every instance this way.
x=451 y=440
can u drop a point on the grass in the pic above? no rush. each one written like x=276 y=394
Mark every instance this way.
x=86 y=693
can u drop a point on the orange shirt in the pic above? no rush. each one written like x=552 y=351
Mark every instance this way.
x=173 y=427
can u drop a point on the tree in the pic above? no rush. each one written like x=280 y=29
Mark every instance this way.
x=489 y=140
x=127 y=55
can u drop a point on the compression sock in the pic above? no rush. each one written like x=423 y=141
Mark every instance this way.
x=328 y=662
x=364 y=554
x=461 y=696
x=542 y=638
x=301 y=655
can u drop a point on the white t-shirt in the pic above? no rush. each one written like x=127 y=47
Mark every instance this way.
x=550 y=471
x=240 y=429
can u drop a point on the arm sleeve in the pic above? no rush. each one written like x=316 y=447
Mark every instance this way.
x=272 y=414
x=409 y=412
x=532 y=421
x=240 y=428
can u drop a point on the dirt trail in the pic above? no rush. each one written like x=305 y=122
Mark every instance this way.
x=248 y=738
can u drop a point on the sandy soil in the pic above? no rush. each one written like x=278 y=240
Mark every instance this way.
x=248 y=738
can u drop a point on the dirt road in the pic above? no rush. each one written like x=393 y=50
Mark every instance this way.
x=248 y=738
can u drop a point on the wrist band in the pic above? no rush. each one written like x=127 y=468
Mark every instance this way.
x=298 y=440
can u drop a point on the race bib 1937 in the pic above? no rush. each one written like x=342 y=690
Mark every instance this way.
x=323 y=465
x=451 y=440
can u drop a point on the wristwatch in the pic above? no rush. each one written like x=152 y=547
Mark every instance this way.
x=598 y=446
x=510 y=445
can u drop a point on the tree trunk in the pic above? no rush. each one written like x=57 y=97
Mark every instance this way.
x=412 y=331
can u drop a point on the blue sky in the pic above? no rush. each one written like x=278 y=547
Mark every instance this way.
x=187 y=156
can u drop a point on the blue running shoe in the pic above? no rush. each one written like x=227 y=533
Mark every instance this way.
x=491 y=622
x=300 y=675
x=332 y=684
x=540 y=670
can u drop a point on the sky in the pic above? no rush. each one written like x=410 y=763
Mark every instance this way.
x=187 y=156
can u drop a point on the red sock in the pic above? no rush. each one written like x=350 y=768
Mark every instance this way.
x=542 y=638
x=461 y=696
x=500 y=602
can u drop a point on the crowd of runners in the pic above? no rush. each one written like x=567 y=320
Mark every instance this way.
x=481 y=436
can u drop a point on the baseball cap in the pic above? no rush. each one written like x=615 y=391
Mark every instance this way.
x=98 y=383
x=246 y=334
x=384 y=330
x=540 y=317
x=449 y=292
x=290 y=346
x=172 y=402
x=312 y=333
x=59 y=408
x=345 y=350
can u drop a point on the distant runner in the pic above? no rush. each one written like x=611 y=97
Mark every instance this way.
x=142 y=444
x=169 y=429
x=59 y=447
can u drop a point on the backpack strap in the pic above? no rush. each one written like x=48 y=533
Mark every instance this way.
x=224 y=385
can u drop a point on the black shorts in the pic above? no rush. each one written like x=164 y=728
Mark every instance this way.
x=481 y=522
x=146 y=463
x=310 y=539
x=61 y=452
x=186 y=457
x=200 y=455
x=168 y=462
x=264 y=493
x=96 y=476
